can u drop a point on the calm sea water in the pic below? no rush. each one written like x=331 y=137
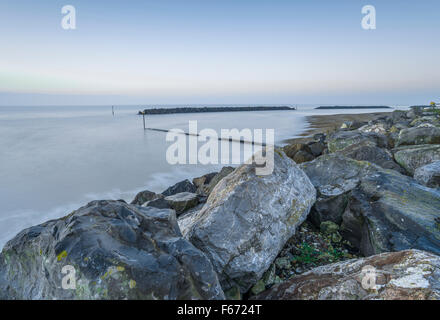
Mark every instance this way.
x=55 y=159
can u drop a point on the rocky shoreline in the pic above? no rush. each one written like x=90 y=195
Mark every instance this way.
x=356 y=197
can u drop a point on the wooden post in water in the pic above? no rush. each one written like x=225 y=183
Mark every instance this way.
x=143 y=118
x=113 y=111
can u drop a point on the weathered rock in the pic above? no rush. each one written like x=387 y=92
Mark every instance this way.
x=145 y=196
x=429 y=175
x=118 y=251
x=413 y=157
x=205 y=179
x=376 y=128
x=159 y=203
x=316 y=148
x=302 y=156
x=320 y=137
x=413 y=136
x=185 y=220
x=367 y=151
x=432 y=120
x=225 y=171
x=418 y=110
x=293 y=148
x=343 y=139
x=411 y=114
x=328 y=208
x=398 y=116
x=405 y=275
x=391 y=212
x=386 y=211
x=248 y=218
x=182 y=186
x=334 y=176
x=183 y=201
x=352 y=125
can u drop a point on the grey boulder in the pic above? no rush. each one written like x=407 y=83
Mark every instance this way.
x=343 y=139
x=248 y=219
x=404 y=275
x=182 y=186
x=413 y=157
x=367 y=151
x=118 y=251
x=145 y=196
x=183 y=201
x=429 y=175
x=419 y=135
x=333 y=176
x=209 y=186
x=384 y=210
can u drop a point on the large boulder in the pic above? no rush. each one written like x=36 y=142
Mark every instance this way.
x=352 y=125
x=422 y=120
x=316 y=148
x=419 y=135
x=204 y=180
x=159 y=203
x=248 y=218
x=343 y=139
x=376 y=128
x=225 y=171
x=182 y=186
x=404 y=275
x=333 y=176
x=391 y=212
x=302 y=156
x=294 y=148
x=367 y=151
x=183 y=201
x=385 y=211
x=145 y=196
x=328 y=208
x=429 y=175
x=413 y=157
x=398 y=116
x=118 y=251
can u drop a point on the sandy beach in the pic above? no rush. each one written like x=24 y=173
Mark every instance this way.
x=330 y=123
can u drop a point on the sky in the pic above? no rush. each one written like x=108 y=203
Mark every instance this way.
x=219 y=52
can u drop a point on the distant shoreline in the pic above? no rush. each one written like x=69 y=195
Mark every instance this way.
x=352 y=107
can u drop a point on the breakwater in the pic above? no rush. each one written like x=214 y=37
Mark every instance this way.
x=353 y=107
x=213 y=109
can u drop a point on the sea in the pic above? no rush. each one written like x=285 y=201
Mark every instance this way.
x=54 y=160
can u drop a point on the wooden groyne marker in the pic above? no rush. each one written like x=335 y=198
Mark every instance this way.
x=242 y=141
x=143 y=119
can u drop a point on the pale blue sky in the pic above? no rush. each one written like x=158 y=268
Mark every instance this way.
x=148 y=52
